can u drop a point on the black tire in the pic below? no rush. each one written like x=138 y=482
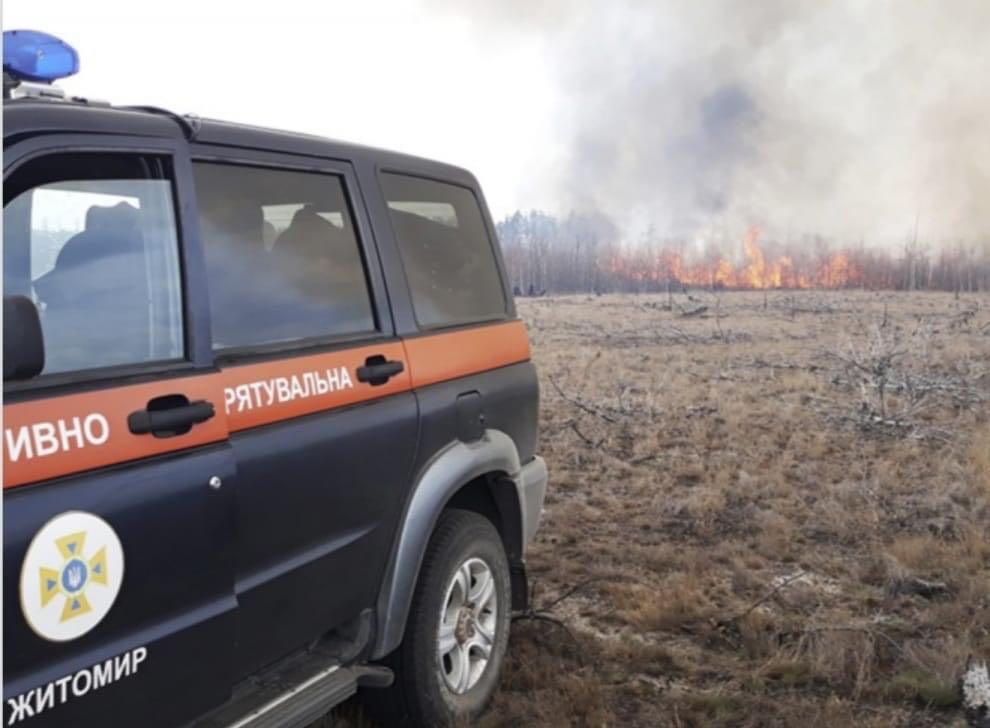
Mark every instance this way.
x=420 y=696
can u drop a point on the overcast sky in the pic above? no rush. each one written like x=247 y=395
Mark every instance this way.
x=854 y=119
x=397 y=75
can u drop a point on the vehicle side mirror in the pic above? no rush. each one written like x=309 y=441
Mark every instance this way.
x=23 y=345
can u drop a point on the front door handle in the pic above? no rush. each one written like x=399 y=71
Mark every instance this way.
x=377 y=370
x=169 y=416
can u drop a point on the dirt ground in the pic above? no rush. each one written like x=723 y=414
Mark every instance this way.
x=765 y=510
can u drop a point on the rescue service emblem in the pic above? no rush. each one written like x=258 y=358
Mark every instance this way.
x=71 y=576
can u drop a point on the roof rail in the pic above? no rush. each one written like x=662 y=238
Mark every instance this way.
x=189 y=123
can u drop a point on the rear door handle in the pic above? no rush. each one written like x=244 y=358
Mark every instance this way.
x=169 y=416
x=377 y=370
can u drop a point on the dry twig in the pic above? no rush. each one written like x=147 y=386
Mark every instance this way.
x=579 y=404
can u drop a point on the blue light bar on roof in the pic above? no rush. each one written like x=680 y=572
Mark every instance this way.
x=30 y=55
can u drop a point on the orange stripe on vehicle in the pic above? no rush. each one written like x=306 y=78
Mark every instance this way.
x=243 y=415
x=74 y=433
x=442 y=357
x=89 y=430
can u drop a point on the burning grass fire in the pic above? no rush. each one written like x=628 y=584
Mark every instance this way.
x=588 y=254
x=756 y=271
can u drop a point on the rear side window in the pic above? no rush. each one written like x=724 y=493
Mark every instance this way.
x=446 y=251
x=91 y=239
x=282 y=256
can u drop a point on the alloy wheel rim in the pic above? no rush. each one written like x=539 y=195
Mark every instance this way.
x=468 y=621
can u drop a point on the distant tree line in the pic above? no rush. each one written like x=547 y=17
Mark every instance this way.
x=586 y=253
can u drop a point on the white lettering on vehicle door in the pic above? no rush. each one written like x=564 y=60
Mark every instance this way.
x=280 y=390
x=78 y=684
x=41 y=439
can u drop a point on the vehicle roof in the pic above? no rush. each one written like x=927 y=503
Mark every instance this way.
x=24 y=117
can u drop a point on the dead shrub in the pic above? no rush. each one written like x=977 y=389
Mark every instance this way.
x=678 y=601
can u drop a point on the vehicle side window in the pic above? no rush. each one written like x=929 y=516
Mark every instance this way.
x=91 y=239
x=446 y=251
x=282 y=257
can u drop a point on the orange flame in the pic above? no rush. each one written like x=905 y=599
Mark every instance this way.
x=836 y=270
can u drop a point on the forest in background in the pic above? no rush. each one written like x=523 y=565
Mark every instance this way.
x=587 y=254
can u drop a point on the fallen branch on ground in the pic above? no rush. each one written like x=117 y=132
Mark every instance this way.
x=579 y=404
x=542 y=613
x=765 y=598
x=694 y=312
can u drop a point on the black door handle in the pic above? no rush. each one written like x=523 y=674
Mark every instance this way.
x=169 y=416
x=377 y=370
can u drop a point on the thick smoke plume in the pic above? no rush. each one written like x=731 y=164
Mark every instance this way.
x=856 y=120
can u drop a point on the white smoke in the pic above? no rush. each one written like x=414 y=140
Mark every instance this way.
x=852 y=119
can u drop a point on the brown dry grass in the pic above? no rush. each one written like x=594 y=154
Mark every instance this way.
x=745 y=551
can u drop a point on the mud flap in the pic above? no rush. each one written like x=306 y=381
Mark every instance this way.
x=520 y=586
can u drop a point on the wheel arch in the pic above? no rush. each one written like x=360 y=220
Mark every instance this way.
x=479 y=476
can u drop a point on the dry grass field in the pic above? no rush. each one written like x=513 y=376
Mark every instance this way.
x=765 y=510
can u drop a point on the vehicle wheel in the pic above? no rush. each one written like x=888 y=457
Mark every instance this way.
x=447 y=666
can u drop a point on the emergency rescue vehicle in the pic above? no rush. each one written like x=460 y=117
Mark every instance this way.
x=270 y=421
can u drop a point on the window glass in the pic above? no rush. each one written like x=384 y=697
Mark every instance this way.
x=91 y=239
x=282 y=257
x=446 y=251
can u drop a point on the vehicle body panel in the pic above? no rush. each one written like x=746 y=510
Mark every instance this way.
x=322 y=503
x=176 y=599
